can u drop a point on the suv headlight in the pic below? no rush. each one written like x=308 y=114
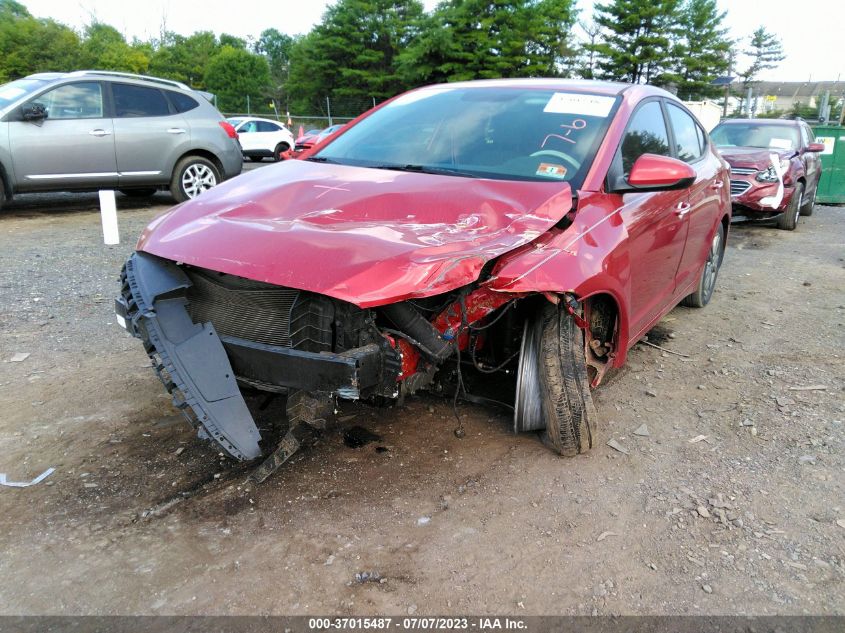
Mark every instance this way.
x=770 y=175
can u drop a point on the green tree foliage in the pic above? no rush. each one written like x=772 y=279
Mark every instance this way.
x=484 y=39
x=234 y=74
x=103 y=48
x=765 y=51
x=702 y=50
x=351 y=56
x=184 y=58
x=276 y=48
x=637 y=46
x=29 y=45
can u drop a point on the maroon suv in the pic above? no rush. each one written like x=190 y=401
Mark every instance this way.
x=775 y=168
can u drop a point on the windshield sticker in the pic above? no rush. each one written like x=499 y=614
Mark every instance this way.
x=585 y=105
x=577 y=124
x=11 y=93
x=780 y=143
x=551 y=170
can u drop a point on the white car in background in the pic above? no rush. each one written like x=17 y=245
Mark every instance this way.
x=262 y=138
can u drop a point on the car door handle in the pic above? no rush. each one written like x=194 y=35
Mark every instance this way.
x=175 y=130
x=682 y=209
x=99 y=132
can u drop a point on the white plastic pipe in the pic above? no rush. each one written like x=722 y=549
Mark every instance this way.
x=108 y=214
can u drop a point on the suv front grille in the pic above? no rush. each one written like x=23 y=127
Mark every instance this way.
x=739 y=187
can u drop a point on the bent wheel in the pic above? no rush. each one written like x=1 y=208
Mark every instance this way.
x=564 y=388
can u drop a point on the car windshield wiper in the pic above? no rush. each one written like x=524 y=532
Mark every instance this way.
x=427 y=169
x=320 y=159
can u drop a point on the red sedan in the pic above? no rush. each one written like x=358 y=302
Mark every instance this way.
x=534 y=227
x=775 y=168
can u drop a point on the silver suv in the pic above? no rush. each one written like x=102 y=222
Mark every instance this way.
x=88 y=130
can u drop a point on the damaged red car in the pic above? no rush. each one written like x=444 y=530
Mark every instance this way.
x=529 y=231
x=775 y=168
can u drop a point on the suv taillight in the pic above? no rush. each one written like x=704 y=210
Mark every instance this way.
x=229 y=129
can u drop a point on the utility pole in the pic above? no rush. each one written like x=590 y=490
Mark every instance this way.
x=329 y=110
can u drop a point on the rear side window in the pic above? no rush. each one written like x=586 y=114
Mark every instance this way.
x=687 y=137
x=138 y=101
x=182 y=102
x=264 y=126
x=646 y=134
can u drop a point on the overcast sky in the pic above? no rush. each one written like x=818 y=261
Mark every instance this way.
x=811 y=30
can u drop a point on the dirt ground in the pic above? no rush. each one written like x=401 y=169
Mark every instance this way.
x=733 y=503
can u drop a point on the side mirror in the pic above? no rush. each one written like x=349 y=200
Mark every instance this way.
x=651 y=172
x=33 y=111
x=814 y=147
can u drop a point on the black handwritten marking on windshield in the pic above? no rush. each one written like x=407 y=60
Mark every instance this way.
x=577 y=124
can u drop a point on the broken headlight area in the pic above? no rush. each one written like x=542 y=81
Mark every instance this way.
x=209 y=334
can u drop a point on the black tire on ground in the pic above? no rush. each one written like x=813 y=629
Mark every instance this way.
x=788 y=220
x=192 y=176
x=256 y=159
x=2 y=194
x=139 y=193
x=565 y=389
x=709 y=273
x=809 y=203
x=281 y=148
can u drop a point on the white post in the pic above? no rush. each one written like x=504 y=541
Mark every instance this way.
x=108 y=215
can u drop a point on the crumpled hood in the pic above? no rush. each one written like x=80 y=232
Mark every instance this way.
x=366 y=236
x=753 y=157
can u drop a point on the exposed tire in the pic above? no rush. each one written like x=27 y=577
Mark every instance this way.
x=138 y=193
x=788 y=220
x=281 y=148
x=707 y=280
x=192 y=176
x=564 y=386
x=809 y=203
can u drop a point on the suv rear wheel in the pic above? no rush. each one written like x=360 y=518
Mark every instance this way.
x=281 y=148
x=192 y=176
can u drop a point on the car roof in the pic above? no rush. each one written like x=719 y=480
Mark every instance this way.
x=611 y=88
x=113 y=75
x=780 y=122
x=256 y=118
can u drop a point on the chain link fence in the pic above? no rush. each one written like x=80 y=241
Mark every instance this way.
x=327 y=112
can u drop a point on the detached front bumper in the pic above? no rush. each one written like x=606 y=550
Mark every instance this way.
x=201 y=369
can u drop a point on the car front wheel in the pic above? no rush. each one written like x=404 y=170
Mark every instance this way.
x=192 y=176
x=565 y=387
x=788 y=220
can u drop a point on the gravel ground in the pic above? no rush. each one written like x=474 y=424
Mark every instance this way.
x=730 y=498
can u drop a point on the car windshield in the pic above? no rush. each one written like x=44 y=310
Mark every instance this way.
x=14 y=90
x=755 y=135
x=491 y=132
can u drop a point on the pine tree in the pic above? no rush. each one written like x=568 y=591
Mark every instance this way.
x=638 y=39
x=702 y=49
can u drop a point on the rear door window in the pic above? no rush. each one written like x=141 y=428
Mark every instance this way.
x=687 y=137
x=266 y=126
x=138 y=101
x=646 y=134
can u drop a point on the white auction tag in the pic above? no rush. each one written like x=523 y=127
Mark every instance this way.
x=573 y=103
x=108 y=214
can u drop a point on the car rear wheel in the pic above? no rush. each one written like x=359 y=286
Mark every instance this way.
x=138 y=193
x=788 y=220
x=707 y=281
x=553 y=391
x=809 y=204
x=192 y=176
x=281 y=148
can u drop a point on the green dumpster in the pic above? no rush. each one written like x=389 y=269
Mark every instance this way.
x=832 y=182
